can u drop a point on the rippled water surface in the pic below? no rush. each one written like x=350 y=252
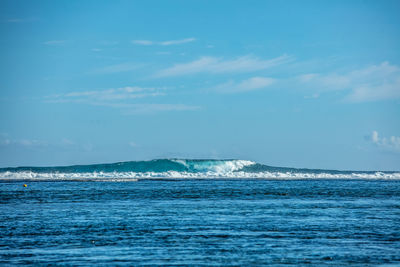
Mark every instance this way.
x=220 y=222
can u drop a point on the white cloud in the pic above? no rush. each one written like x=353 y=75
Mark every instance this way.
x=164 y=43
x=27 y=142
x=153 y=108
x=217 y=65
x=55 y=42
x=387 y=143
x=133 y=108
x=326 y=82
x=120 y=98
x=123 y=93
x=311 y=96
x=372 y=83
x=163 y=53
x=143 y=42
x=145 y=108
x=22 y=142
x=251 y=84
x=175 y=42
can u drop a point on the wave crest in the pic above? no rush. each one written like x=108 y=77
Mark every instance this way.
x=218 y=166
x=181 y=168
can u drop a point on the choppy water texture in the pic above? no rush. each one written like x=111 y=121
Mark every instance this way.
x=201 y=221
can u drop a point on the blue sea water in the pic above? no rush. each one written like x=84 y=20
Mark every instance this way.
x=99 y=220
x=182 y=168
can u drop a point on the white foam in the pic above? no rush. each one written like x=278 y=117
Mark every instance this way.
x=134 y=176
x=218 y=166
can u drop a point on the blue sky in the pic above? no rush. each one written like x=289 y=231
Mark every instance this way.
x=287 y=83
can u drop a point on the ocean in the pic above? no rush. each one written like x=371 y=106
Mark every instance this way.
x=198 y=212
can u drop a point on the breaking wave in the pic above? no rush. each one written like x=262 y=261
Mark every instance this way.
x=182 y=168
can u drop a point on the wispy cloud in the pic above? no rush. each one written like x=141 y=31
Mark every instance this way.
x=33 y=144
x=164 y=43
x=143 y=42
x=387 y=143
x=218 y=65
x=120 y=98
x=99 y=96
x=15 y=20
x=163 y=53
x=176 y=42
x=155 y=108
x=7 y=141
x=123 y=67
x=372 y=83
x=143 y=108
x=250 y=84
x=55 y=42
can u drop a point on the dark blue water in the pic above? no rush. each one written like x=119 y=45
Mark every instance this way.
x=192 y=222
